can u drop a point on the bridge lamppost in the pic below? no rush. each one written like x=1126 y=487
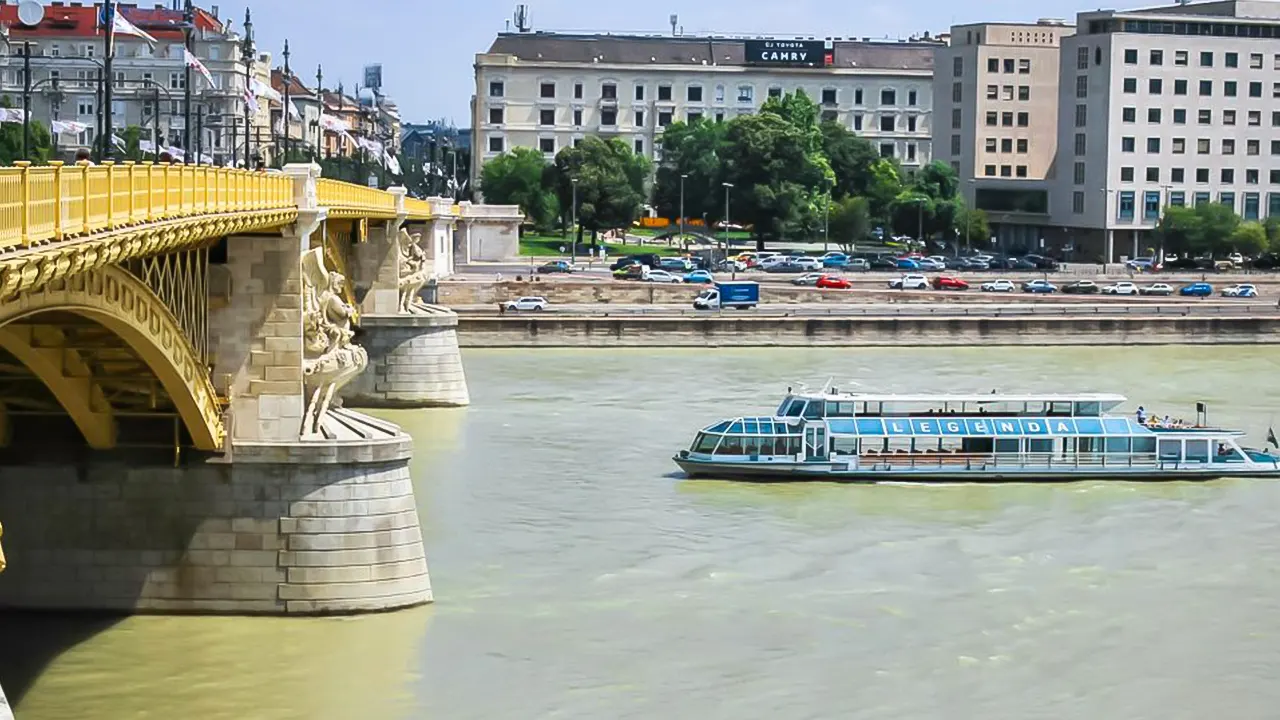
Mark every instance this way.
x=246 y=54
x=284 y=111
x=188 y=33
x=733 y=268
x=573 y=227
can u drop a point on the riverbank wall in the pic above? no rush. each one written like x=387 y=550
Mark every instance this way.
x=729 y=331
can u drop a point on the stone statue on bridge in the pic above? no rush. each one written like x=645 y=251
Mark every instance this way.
x=413 y=271
x=330 y=358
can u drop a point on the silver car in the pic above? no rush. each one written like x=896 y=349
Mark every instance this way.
x=808 y=279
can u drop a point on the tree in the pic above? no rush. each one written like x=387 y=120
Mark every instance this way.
x=851 y=159
x=884 y=187
x=1249 y=238
x=1272 y=227
x=611 y=183
x=1205 y=229
x=850 y=222
x=973 y=226
x=1217 y=223
x=515 y=178
x=11 y=140
x=691 y=149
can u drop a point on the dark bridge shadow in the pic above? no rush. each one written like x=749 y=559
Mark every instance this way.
x=33 y=640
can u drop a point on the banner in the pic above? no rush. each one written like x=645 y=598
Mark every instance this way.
x=194 y=63
x=392 y=164
x=122 y=26
x=63 y=127
x=261 y=89
x=10 y=115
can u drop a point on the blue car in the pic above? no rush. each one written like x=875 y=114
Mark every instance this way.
x=1039 y=286
x=1200 y=289
x=699 y=276
x=908 y=264
x=835 y=261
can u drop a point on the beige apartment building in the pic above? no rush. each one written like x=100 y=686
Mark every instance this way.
x=996 y=103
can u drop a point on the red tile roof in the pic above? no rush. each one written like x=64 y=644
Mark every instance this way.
x=81 y=20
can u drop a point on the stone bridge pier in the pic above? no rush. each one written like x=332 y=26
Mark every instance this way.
x=294 y=505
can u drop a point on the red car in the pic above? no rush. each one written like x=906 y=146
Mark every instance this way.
x=947 y=282
x=834 y=283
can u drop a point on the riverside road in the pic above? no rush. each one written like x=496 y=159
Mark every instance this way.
x=912 y=310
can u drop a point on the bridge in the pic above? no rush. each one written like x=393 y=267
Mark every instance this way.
x=175 y=344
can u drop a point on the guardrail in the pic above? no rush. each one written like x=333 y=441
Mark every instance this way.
x=55 y=201
x=348 y=200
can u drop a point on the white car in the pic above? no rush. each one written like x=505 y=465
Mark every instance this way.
x=770 y=261
x=1161 y=289
x=909 y=282
x=1121 y=288
x=535 y=304
x=809 y=279
x=808 y=263
x=930 y=264
x=999 y=286
x=1243 y=290
x=662 y=276
x=1236 y=259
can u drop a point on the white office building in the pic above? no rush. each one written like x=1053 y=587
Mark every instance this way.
x=547 y=91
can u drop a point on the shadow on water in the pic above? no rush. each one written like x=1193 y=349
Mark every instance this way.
x=32 y=641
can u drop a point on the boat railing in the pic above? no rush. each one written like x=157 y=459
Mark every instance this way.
x=992 y=461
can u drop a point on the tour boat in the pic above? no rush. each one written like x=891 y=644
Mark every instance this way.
x=968 y=438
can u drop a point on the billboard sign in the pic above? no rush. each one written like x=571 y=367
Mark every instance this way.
x=373 y=77
x=789 y=53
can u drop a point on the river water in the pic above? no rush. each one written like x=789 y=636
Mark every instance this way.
x=578 y=576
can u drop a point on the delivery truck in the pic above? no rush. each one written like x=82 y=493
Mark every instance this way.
x=740 y=295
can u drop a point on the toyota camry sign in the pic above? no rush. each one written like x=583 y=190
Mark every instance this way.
x=794 y=53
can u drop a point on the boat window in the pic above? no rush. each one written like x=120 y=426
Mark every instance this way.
x=1088 y=409
x=977 y=445
x=844 y=446
x=750 y=427
x=1009 y=445
x=1144 y=445
x=813 y=411
x=750 y=446
x=1197 y=451
x=705 y=443
x=839 y=409
x=951 y=444
x=720 y=427
x=1089 y=445
x=782 y=446
x=786 y=403
x=1226 y=453
x=1059 y=408
x=1040 y=445
x=731 y=446
x=1170 y=450
x=796 y=408
x=736 y=428
x=1117 y=445
x=1037 y=407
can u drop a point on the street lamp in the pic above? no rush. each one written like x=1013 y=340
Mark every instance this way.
x=732 y=267
x=683 y=177
x=284 y=111
x=246 y=54
x=573 y=229
x=188 y=32
x=26 y=100
x=320 y=102
x=826 y=223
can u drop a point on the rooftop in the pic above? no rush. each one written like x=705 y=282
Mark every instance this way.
x=545 y=47
x=81 y=20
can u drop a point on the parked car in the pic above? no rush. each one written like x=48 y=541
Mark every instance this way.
x=1236 y=259
x=1243 y=290
x=1160 y=289
x=999 y=286
x=809 y=279
x=857 y=265
x=929 y=264
x=700 y=277
x=786 y=266
x=675 y=264
x=832 y=253
x=623 y=263
x=1200 y=289
x=974 y=263
x=883 y=262
x=807 y=263
x=1120 y=288
x=1042 y=262
x=1081 y=287
x=535 y=304
x=1143 y=264
x=834 y=282
x=1039 y=286
x=835 y=260
x=907 y=264
x=772 y=260
x=949 y=282
x=1018 y=264
x=555 y=266
x=909 y=282
x=662 y=276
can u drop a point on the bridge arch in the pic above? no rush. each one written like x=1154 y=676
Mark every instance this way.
x=118 y=301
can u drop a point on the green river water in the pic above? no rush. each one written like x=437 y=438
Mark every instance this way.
x=577 y=575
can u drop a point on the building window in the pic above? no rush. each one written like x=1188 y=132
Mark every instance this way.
x=547 y=145
x=1179 y=87
x=1206 y=88
x=1020 y=171
x=1179 y=116
x=993 y=92
x=886 y=150
x=993 y=65
x=1206 y=59
x=639 y=93
x=911 y=152
x=495 y=116
x=775 y=92
x=1131 y=56
x=746 y=93
x=1125 y=208
x=1155 y=86
x=1024 y=92
x=1180 y=57
x=719 y=116
x=888 y=96
x=956 y=119
x=911 y=98
x=1006 y=145
x=828 y=96
x=1231 y=60
x=1255 y=118
x=957 y=67
x=546 y=117
x=1204 y=117
x=1179 y=146
x=857 y=120
x=1202 y=146
x=609 y=91
x=693 y=94
x=664 y=93
x=577 y=117
x=1024 y=119
x=1251 y=176
x=1006 y=171
x=1229 y=88
x=1078 y=174
x=991 y=144
x=1024 y=66
x=955 y=145
x=1228 y=147
x=1153 y=116
x=1127 y=144
x=1228 y=199
x=84 y=107
x=496 y=89
x=1227 y=176
x=1126 y=174
x=886 y=123
x=1082 y=58
x=1151 y=205
x=1177 y=198
x=664 y=118
x=1153 y=174
x=1022 y=145
x=1153 y=145
x=495 y=144
x=1131 y=85
x=1275 y=90
x=1079 y=144
x=1201 y=198
x=1228 y=117
x=719 y=93
x=911 y=123
x=1273 y=204
x=1251 y=206
x=957 y=92
x=1006 y=119
x=639 y=119
x=692 y=117
x=1252 y=147
x=857 y=96
x=1007 y=64
x=1082 y=114
x=608 y=117
x=577 y=91
x=1157 y=57
x=639 y=146
x=989 y=170
x=547 y=91
x=1202 y=175
x=1077 y=202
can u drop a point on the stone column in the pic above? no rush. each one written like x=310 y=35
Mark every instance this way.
x=439 y=241
x=376 y=265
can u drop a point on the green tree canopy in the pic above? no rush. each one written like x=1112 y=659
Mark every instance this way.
x=1205 y=229
x=11 y=139
x=850 y=222
x=516 y=178
x=691 y=149
x=1249 y=238
x=611 y=183
x=851 y=159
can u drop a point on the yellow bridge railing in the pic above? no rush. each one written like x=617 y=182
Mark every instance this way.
x=417 y=209
x=40 y=204
x=349 y=200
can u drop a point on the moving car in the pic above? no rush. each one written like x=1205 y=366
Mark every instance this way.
x=676 y=264
x=1120 y=288
x=909 y=282
x=857 y=265
x=949 y=282
x=623 y=263
x=1018 y=264
x=788 y=265
x=662 y=276
x=536 y=304
x=1200 y=289
x=1243 y=290
x=699 y=276
x=999 y=286
x=833 y=282
x=1081 y=287
x=1162 y=289
x=555 y=266
x=1142 y=264
x=809 y=279
x=1039 y=286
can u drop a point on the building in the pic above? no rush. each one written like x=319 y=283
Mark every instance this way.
x=547 y=91
x=303 y=128
x=1167 y=106
x=149 y=82
x=996 y=98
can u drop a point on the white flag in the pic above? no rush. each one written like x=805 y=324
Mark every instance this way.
x=146 y=146
x=251 y=101
x=10 y=115
x=194 y=63
x=392 y=164
x=293 y=111
x=122 y=26
x=261 y=89
x=333 y=124
x=118 y=141
x=62 y=127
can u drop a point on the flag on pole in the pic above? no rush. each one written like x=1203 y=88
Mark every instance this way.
x=293 y=111
x=121 y=25
x=194 y=63
x=251 y=101
x=261 y=89
x=392 y=163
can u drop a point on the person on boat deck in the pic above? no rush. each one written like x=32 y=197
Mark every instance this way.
x=1142 y=415
x=1168 y=422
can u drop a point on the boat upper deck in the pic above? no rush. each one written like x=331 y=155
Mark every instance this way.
x=816 y=406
